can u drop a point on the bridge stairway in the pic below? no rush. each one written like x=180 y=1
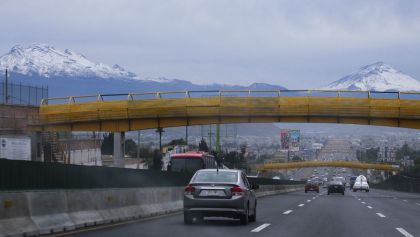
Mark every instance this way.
x=57 y=153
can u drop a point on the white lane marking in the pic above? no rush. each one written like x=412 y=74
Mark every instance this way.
x=358 y=199
x=404 y=232
x=313 y=198
x=405 y=201
x=308 y=200
x=369 y=207
x=287 y=212
x=261 y=227
x=363 y=202
x=418 y=204
x=301 y=205
x=380 y=215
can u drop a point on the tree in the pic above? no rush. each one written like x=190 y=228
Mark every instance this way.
x=405 y=150
x=202 y=146
x=130 y=148
x=157 y=160
x=177 y=142
x=107 y=147
x=296 y=158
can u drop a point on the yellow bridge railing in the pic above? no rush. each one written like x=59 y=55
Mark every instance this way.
x=318 y=163
x=136 y=111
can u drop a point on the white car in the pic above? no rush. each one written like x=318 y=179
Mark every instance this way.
x=361 y=184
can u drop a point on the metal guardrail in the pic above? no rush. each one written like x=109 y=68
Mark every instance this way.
x=220 y=93
x=320 y=163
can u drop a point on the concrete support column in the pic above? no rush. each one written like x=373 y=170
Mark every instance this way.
x=119 y=149
x=36 y=146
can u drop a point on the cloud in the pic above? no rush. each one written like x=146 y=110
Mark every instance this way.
x=233 y=41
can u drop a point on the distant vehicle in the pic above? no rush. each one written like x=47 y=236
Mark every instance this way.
x=352 y=180
x=361 y=183
x=191 y=161
x=312 y=186
x=336 y=186
x=220 y=193
x=342 y=179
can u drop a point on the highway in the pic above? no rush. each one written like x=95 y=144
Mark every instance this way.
x=377 y=213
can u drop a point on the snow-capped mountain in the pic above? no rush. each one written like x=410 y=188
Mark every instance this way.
x=376 y=77
x=46 y=61
x=70 y=73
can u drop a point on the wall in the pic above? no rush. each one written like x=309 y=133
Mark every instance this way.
x=43 y=212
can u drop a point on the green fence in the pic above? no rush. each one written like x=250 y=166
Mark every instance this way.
x=401 y=183
x=30 y=175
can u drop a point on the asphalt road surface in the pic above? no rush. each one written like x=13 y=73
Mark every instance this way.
x=377 y=213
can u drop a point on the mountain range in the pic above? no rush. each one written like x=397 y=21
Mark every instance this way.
x=376 y=77
x=66 y=72
x=71 y=73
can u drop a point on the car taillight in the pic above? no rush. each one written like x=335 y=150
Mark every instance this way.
x=237 y=191
x=189 y=190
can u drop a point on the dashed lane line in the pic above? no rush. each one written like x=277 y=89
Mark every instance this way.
x=380 y=215
x=405 y=201
x=308 y=200
x=363 y=202
x=287 y=212
x=301 y=205
x=261 y=227
x=369 y=207
x=404 y=232
x=418 y=204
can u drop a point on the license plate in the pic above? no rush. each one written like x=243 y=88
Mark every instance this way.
x=212 y=193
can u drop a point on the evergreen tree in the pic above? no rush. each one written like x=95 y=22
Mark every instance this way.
x=202 y=146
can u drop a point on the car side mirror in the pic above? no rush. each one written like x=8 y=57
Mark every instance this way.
x=255 y=186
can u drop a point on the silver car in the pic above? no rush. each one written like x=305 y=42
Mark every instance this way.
x=220 y=193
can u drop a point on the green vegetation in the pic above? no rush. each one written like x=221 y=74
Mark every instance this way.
x=369 y=155
x=296 y=158
x=406 y=151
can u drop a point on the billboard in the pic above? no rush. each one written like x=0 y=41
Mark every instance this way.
x=15 y=148
x=290 y=139
x=294 y=140
x=284 y=138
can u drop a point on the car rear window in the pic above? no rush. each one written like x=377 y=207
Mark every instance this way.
x=214 y=176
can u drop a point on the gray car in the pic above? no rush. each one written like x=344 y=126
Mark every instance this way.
x=220 y=193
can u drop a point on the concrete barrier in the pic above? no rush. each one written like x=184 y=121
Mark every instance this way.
x=14 y=215
x=49 y=212
x=43 y=212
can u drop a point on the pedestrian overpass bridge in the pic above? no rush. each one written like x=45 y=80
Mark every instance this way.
x=332 y=163
x=138 y=111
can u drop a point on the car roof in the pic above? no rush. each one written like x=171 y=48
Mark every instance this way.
x=220 y=170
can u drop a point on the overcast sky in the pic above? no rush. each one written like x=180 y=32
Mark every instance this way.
x=296 y=44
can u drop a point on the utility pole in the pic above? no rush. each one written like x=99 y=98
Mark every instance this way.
x=160 y=131
x=138 y=149
x=218 y=140
x=186 y=135
x=6 y=93
x=210 y=138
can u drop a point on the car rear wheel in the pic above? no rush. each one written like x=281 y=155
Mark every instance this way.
x=245 y=217
x=253 y=217
x=342 y=193
x=187 y=218
x=328 y=193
